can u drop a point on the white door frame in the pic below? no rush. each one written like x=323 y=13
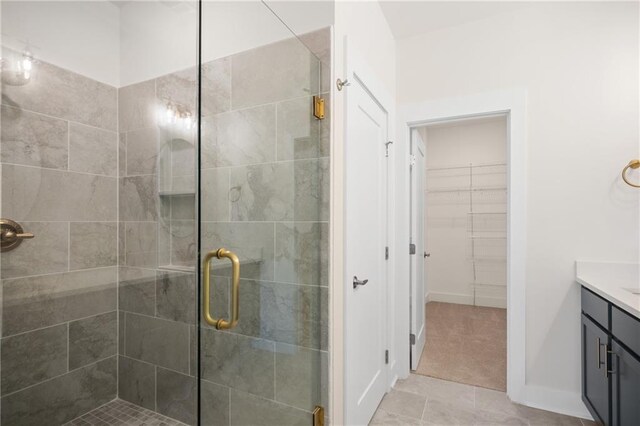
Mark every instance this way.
x=418 y=259
x=351 y=63
x=513 y=103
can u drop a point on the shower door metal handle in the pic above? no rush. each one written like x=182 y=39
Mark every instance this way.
x=221 y=323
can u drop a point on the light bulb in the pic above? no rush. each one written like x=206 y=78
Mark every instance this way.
x=171 y=114
x=26 y=65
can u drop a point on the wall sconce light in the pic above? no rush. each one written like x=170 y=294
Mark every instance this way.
x=17 y=71
x=177 y=115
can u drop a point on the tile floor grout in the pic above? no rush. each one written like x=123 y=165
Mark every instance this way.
x=123 y=413
x=461 y=412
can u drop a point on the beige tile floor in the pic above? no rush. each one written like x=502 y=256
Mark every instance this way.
x=421 y=400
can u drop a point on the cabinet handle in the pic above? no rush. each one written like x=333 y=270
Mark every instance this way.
x=599 y=353
x=607 y=372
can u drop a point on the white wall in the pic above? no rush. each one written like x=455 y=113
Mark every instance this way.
x=449 y=270
x=78 y=36
x=368 y=33
x=156 y=38
x=139 y=40
x=579 y=65
x=478 y=141
x=161 y=37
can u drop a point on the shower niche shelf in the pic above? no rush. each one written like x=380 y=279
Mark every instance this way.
x=177 y=268
x=176 y=193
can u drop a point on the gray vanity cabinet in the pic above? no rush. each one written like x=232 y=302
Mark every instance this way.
x=625 y=386
x=610 y=362
x=595 y=382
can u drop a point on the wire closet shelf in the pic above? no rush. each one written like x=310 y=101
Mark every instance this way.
x=480 y=193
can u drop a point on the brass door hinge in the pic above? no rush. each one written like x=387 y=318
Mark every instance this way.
x=318 y=107
x=318 y=416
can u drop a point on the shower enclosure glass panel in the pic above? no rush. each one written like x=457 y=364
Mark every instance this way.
x=264 y=179
x=132 y=144
x=98 y=146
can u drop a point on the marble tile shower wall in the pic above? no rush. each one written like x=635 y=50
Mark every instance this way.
x=264 y=195
x=265 y=192
x=157 y=285
x=96 y=306
x=58 y=148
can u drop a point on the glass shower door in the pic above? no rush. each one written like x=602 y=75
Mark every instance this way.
x=263 y=220
x=98 y=255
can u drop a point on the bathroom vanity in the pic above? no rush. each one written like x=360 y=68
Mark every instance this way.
x=610 y=323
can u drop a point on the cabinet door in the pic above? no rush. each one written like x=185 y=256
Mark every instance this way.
x=595 y=383
x=626 y=387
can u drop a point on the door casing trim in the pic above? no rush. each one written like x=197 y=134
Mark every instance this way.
x=513 y=104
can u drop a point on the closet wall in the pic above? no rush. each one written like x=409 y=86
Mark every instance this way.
x=466 y=211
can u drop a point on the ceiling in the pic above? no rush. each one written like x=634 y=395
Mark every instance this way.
x=411 y=18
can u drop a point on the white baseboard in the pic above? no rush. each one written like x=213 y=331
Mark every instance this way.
x=461 y=299
x=465 y=299
x=427 y=299
x=568 y=403
x=491 y=302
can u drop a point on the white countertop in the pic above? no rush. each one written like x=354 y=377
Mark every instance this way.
x=611 y=280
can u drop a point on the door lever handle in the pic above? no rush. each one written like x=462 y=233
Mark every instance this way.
x=427 y=254
x=357 y=282
x=12 y=236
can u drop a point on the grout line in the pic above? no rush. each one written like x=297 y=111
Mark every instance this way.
x=275 y=352
x=229 y=393
x=4 y=105
x=68 y=247
x=58 y=273
x=268 y=163
x=59 y=375
x=52 y=169
x=124 y=330
x=230 y=84
x=155 y=389
x=67 y=221
x=68 y=145
x=258 y=222
x=229 y=202
x=159 y=366
x=424 y=409
x=56 y=324
x=68 y=345
x=119 y=136
x=275 y=138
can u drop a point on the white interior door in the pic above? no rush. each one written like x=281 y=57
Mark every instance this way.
x=418 y=291
x=366 y=238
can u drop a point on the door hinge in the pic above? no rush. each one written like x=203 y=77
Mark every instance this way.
x=318 y=107
x=386 y=147
x=318 y=416
x=412 y=338
x=412 y=160
x=386 y=356
x=386 y=253
x=412 y=249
